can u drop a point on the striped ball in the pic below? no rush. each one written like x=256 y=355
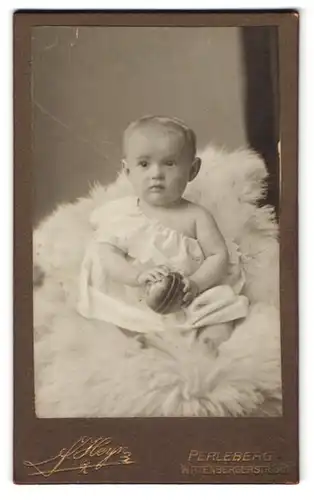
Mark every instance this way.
x=165 y=296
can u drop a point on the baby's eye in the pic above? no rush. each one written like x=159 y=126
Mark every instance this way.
x=170 y=163
x=143 y=163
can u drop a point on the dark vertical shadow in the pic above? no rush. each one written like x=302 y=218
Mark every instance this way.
x=260 y=51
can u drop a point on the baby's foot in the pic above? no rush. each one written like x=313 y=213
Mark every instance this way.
x=141 y=339
x=211 y=346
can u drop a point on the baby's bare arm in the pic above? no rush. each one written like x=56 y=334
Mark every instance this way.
x=120 y=269
x=213 y=269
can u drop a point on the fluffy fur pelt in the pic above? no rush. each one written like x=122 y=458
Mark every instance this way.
x=87 y=368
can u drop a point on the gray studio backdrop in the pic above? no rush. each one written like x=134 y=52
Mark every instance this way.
x=89 y=83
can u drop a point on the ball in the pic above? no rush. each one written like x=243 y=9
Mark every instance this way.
x=165 y=295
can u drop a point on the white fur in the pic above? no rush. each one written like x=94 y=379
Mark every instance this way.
x=90 y=369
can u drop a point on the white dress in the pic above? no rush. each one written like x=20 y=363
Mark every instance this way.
x=148 y=242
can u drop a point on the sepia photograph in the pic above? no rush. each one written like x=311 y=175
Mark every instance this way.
x=156 y=247
x=156 y=161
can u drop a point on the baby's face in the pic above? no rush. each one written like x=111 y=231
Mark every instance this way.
x=159 y=164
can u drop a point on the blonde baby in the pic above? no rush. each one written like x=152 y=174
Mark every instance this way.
x=140 y=239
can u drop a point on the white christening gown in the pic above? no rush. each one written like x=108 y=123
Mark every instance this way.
x=148 y=242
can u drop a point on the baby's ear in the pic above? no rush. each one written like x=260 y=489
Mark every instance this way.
x=196 y=165
x=125 y=167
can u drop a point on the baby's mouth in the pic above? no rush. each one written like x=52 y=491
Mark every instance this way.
x=156 y=187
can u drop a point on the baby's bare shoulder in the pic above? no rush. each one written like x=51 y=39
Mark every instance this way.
x=198 y=212
x=207 y=230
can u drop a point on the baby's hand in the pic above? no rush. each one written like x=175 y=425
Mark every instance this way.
x=190 y=291
x=153 y=275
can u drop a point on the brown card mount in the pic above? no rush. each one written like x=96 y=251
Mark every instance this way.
x=92 y=409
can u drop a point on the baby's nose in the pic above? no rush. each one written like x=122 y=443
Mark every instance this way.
x=156 y=171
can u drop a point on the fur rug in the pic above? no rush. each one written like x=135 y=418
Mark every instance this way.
x=90 y=369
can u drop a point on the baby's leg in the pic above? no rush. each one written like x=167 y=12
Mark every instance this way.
x=215 y=335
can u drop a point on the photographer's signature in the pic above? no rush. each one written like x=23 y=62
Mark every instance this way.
x=84 y=455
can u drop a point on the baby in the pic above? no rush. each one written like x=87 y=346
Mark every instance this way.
x=139 y=239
